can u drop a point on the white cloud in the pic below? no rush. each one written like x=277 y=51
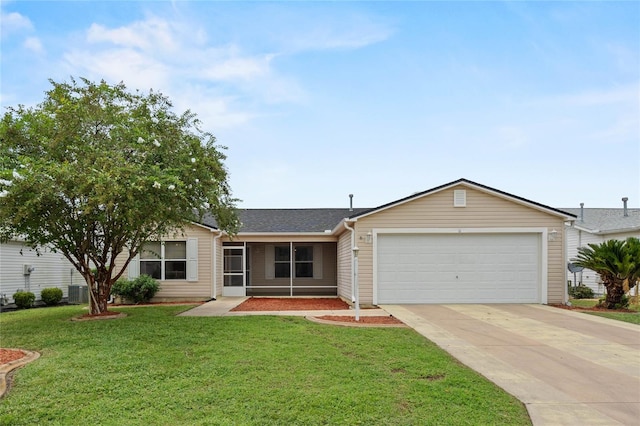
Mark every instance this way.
x=135 y=69
x=348 y=32
x=34 y=44
x=238 y=68
x=14 y=22
x=151 y=34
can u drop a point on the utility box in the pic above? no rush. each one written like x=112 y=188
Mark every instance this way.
x=27 y=269
x=78 y=294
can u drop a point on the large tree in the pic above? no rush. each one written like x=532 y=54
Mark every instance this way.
x=96 y=170
x=618 y=264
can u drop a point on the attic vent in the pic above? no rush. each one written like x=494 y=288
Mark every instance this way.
x=460 y=198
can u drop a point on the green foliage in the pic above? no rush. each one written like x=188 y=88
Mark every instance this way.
x=24 y=299
x=141 y=289
x=96 y=169
x=622 y=304
x=154 y=368
x=617 y=263
x=581 y=292
x=51 y=296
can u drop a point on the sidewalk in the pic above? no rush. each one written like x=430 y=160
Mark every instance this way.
x=222 y=306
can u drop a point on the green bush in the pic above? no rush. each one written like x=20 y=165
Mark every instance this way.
x=51 y=296
x=581 y=292
x=142 y=289
x=624 y=302
x=24 y=299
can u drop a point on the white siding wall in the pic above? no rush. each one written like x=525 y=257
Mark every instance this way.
x=578 y=238
x=51 y=270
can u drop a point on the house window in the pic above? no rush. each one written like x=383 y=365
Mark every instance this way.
x=164 y=261
x=282 y=259
x=304 y=261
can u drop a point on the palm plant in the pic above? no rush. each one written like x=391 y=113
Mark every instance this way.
x=618 y=264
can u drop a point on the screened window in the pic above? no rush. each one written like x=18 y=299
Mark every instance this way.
x=282 y=258
x=303 y=261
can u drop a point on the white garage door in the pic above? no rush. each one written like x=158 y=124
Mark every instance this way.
x=458 y=268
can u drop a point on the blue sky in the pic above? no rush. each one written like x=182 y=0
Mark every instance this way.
x=317 y=100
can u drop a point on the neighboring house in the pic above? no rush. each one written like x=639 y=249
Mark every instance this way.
x=22 y=268
x=594 y=226
x=461 y=242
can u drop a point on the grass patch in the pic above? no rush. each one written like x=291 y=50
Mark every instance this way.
x=154 y=368
x=631 y=317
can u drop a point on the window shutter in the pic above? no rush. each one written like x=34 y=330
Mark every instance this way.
x=269 y=262
x=317 y=261
x=192 y=259
x=133 y=270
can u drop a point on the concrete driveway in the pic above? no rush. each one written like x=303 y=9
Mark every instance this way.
x=568 y=368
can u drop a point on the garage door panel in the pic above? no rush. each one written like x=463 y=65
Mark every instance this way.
x=458 y=268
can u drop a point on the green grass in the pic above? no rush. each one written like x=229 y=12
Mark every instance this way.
x=631 y=317
x=155 y=368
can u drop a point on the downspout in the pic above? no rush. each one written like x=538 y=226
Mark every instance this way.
x=353 y=242
x=214 y=283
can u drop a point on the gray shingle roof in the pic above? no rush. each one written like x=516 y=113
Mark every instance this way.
x=607 y=220
x=288 y=220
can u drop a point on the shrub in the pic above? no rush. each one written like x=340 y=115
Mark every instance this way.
x=142 y=289
x=581 y=292
x=51 y=296
x=24 y=299
x=623 y=304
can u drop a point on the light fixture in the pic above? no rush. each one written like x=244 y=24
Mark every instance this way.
x=355 y=250
x=369 y=237
x=553 y=235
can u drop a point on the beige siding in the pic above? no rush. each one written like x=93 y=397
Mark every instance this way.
x=217 y=267
x=483 y=210
x=183 y=289
x=345 y=266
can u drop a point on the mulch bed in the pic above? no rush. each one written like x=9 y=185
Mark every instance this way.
x=8 y=355
x=593 y=309
x=291 y=304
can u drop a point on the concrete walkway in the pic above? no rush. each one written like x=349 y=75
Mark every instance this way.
x=568 y=368
x=223 y=305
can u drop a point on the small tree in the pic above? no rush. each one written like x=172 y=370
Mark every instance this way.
x=95 y=169
x=617 y=263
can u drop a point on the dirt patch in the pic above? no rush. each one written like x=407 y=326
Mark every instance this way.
x=8 y=355
x=291 y=304
x=593 y=309
x=102 y=316
x=363 y=320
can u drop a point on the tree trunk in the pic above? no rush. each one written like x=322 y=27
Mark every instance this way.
x=99 y=296
x=615 y=292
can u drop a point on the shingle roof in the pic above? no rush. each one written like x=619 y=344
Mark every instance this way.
x=288 y=220
x=607 y=220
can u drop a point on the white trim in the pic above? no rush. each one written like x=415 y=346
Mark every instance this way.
x=542 y=232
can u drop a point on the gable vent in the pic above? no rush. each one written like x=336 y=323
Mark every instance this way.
x=460 y=198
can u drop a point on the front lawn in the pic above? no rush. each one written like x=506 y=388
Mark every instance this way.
x=155 y=368
x=632 y=317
